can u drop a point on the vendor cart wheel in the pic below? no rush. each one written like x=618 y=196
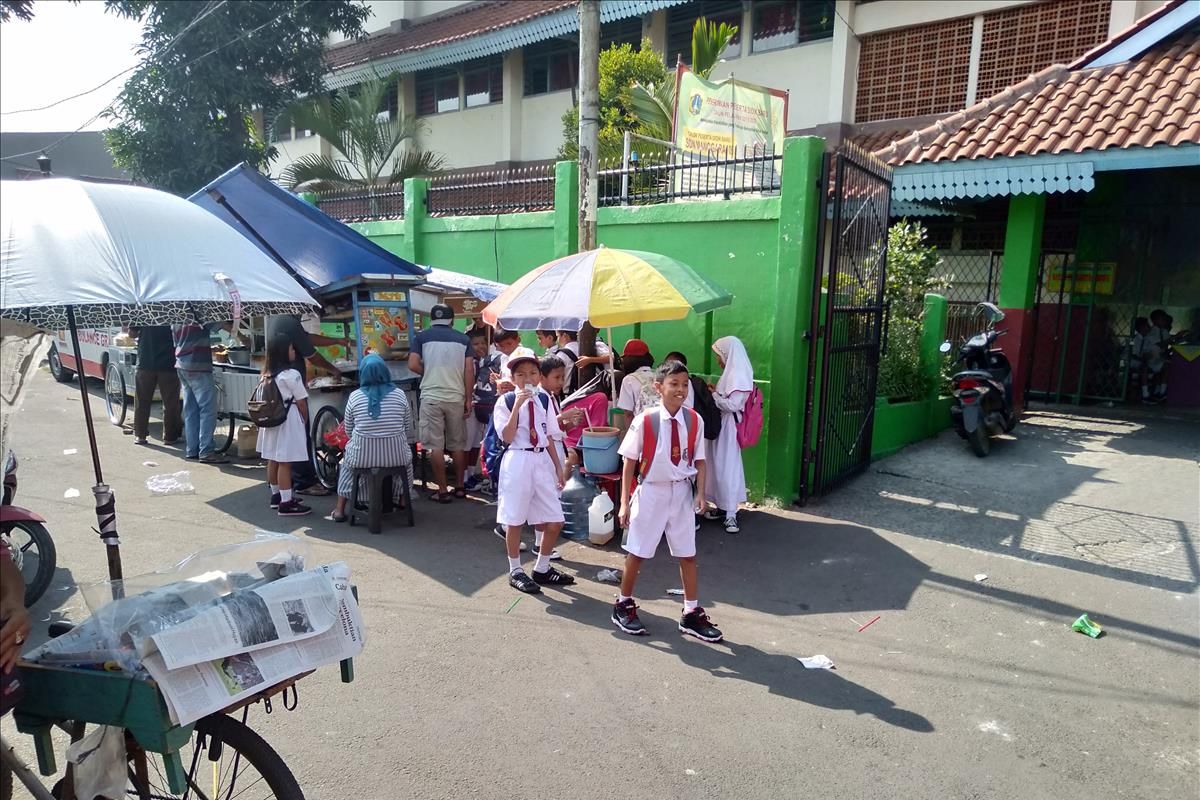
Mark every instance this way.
x=57 y=370
x=33 y=552
x=326 y=458
x=224 y=759
x=116 y=401
x=223 y=434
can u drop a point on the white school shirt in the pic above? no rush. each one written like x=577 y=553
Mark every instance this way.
x=661 y=469
x=547 y=422
x=573 y=348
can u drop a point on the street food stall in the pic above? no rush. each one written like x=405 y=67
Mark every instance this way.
x=366 y=295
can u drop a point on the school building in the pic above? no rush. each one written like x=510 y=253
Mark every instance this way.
x=490 y=80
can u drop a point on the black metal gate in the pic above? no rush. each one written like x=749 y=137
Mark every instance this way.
x=847 y=322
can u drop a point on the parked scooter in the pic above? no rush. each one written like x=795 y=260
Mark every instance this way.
x=26 y=538
x=983 y=392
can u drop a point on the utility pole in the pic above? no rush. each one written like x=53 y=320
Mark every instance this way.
x=589 y=136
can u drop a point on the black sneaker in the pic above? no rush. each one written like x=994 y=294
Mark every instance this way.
x=523 y=583
x=275 y=500
x=554 y=554
x=696 y=623
x=624 y=616
x=293 y=508
x=499 y=531
x=552 y=577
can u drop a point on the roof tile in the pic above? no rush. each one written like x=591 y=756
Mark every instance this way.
x=1154 y=99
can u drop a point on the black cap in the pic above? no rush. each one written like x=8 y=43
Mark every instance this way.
x=441 y=313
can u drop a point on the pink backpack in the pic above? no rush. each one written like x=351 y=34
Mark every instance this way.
x=750 y=422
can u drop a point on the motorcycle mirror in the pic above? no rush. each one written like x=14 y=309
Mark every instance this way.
x=944 y=348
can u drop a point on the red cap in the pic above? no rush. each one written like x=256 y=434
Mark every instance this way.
x=635 y=347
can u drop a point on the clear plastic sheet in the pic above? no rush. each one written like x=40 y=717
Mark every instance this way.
x=152 y=602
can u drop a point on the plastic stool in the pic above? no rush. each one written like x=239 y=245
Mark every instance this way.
x=375 y=499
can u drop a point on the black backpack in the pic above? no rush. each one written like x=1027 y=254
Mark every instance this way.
x=266 y=407
x=484 y=392
x=706 y=407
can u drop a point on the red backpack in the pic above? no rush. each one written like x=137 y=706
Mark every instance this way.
x=650 y=438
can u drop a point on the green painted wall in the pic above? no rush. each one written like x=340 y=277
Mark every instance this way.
x=761 y=249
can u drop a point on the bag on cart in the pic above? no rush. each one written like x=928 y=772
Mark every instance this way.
x=266 y=407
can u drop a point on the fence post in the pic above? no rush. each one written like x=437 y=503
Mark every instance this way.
x=566 y=208
x=933 y=333
x=415 y=190
x=801 y=184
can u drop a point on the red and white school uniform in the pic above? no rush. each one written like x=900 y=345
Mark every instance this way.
x=663 y=503
x=528 y=491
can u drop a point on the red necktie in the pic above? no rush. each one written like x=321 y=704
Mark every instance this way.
x=533 y=437
x=675 y=455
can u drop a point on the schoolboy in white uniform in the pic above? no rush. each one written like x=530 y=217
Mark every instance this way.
x=665 y=500
x=530 y=474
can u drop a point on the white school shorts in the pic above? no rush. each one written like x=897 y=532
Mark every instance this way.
x=475 y=431
x=528 y=489
x=662 y=508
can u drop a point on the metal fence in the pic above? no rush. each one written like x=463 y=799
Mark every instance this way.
x=363 y=206
x=495 y=192
x=664 y=175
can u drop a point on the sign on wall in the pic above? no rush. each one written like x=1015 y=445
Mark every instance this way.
x=727 y=114
x=1084 y=277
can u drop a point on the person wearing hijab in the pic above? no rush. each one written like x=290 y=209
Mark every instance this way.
x=726 y=483
x=379 y=424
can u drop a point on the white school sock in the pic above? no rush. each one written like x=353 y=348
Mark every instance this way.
x=690 y=605
x=538 y=533
x=274 y=488
x=543 y=563
x=514 y=564
x=621 y=598
x=285 y=495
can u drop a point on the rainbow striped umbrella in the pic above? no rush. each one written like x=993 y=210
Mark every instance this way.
x=606 y=287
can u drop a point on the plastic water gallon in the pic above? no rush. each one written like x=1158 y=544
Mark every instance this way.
x=576 y=499
x=601 y=520
x=247 y=441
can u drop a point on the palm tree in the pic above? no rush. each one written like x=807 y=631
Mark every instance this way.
x=654 y=105
x=366 y=142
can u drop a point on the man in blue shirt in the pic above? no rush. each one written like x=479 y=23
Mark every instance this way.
x=193 y=362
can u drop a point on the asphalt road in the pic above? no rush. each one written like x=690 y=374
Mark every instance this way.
x=962 y=688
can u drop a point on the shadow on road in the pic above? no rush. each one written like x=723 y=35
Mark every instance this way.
x=1102 y=496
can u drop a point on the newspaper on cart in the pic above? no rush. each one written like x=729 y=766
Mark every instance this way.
x=224 y=624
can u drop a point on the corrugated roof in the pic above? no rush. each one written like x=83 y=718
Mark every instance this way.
x=470 y=20
x=1153 y=99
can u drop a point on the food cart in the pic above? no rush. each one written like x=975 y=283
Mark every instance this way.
x=366 y=294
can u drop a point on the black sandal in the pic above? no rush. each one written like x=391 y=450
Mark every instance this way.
x=441 y=497
x=460 y=493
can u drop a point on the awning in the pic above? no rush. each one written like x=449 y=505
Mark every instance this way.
x=321 y=250
x=479 y=288
x=510 y=37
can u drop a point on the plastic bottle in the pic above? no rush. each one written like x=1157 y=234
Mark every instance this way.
x=576 y=498
x=600 y=520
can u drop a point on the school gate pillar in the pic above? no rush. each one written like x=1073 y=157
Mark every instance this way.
x=1018 y=284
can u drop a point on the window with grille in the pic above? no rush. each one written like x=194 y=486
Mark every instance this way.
x=437 y=91
x=914 y=71
x=483 y=81
x=682 y=19
x=783 y=23
x=550 y=66
x=389 y=104
x=1021 y=41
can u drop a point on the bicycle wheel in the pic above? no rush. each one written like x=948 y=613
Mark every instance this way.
x=116 y=402
x=223 y=434
x=325 y=457
x=223 y=760
x=33 y=552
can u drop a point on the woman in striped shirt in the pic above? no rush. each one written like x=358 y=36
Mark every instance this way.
x=379 y=424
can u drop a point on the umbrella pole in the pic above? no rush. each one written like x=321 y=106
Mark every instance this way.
x=106 y=508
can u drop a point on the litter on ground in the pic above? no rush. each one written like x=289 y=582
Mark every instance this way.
x=868 y=624
x=676 y=592
x=980 y=577
x=69 y=493
x=171 y=483
x=609 y=576
x=1086 y=626
x=816 y=662
x=70 y=451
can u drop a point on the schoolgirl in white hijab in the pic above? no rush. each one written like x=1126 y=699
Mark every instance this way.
x=726 y=483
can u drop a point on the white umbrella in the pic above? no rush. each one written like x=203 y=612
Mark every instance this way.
x=75 y=254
